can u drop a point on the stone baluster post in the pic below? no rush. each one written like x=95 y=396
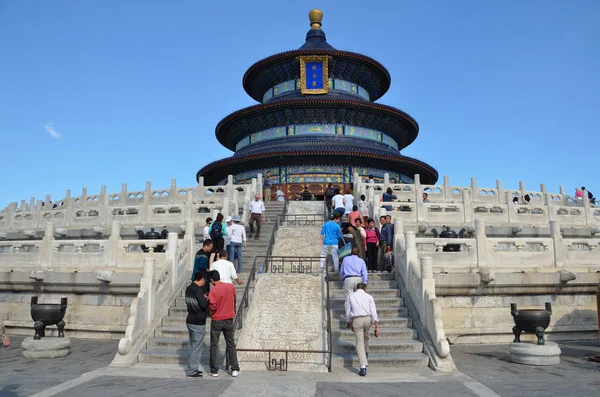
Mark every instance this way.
x=500 y=189
x=419 y=205
x=145 y=210
x=410 y=253
x=113 y=243
x=474 y=192
x=84 y=196
x=259 y=185
x=562 y=195
x=123 y=195
x=172 y=255
x=522 y=188
x=10 y=214
x=48 y=202
x=103 y=202
x=560 y=255
x=356 y=186
x=37 y=217
x=225 y=209
x=511 y=209
x=200 y=191
x=46 y=247
x=173 y=193
x=386 y=181
x=149 y=284
x=481 y=243
x=427 y=283
x=247 y=198
x=102 y=193
x=544 y=192
x=190 y=238
x=253 y=188
x=189 y=206
x=229 y=191
x=587 y=210
x=467 y=206
x=447 y=188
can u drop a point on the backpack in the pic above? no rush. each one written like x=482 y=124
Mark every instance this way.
x=329 y=193
x=216 y=231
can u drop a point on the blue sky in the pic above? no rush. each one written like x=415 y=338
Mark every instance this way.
x=501 y=89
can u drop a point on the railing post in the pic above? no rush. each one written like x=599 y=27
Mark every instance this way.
x=386 y=181
x=229 y=187
x=149 y=284
x=172 y=255
x=173 y=195
x=511 y=209
x=522 y=188
x=123 y=196
x=411 y=251
x=474 y=187
x=419 y=205
x=557 y=240
x=467 y=206
x=427 y=283
x=200 y=191
x=589 y=216
x=259 y=183
x=447 y=188
x=543 y=189
x=113 y=243
x=46 y=248
x=481 y=243
x=501 y=195
x=10 y=212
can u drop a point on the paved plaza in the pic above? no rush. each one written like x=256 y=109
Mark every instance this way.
x=483 y=370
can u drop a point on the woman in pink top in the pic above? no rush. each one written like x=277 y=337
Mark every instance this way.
x=372 y=243
x=352 y=216
x=578 y=194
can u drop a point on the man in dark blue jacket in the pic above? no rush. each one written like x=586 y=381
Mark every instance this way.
x=386 y=238
x=197 y=306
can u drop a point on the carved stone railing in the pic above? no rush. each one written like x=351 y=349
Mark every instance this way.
x=131 y=208
x=158 y=288
x=418 y=289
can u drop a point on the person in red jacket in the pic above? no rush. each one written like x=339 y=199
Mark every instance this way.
x=222 y=310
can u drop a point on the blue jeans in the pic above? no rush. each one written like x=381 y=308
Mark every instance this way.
x=340 y=210
x=329 y=206
x=196 y=334
x=235 y=251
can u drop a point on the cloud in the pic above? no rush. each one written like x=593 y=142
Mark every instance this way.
x=49 y=127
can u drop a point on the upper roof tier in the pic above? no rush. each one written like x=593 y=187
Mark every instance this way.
x=344 y=65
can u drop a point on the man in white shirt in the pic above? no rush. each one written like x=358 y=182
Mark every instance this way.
x=348 y=203
x=339 y=203
x=226 y=269
x=256 y=212
x=361 y=313
x=237 y=233
x=207 y=228
x=228 y=236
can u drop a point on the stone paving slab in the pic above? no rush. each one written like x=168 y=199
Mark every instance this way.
x=412 y=389
x=116 y=386
x=23 y=377
x=490 y=364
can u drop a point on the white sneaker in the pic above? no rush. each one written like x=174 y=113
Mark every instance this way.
x=235 y=373
x=214 y=375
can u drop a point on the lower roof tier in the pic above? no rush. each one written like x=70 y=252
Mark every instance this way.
x=315 y=152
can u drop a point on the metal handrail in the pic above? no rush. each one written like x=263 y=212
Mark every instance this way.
x=268 y=267
x=301 y=219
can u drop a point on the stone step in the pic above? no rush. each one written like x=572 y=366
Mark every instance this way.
x=372 y=276
x=381 y=346
x=175 y=344
x=176 y=356
x=384 y=322
x=377 y=284
x=380 y=303
x=384 y=334
x=383 y=311
x=172 y=331
x=178 y=321
x=375 y=292
x=381 y=360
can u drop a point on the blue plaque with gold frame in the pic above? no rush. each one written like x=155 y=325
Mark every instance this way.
x=314 y=75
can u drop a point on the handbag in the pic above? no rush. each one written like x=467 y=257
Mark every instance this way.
x=345 y=250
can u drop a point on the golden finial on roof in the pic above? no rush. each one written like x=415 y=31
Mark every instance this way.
x=315 y=16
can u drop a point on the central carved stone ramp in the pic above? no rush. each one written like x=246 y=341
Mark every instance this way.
x=169 y=345
x=397 y=344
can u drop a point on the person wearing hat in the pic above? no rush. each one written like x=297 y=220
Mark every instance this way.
x=228 y=237
x=237 y=233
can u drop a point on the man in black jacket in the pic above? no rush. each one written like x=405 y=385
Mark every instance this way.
x=197 y=306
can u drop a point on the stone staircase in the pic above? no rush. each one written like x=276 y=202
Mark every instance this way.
x=169 y=345
x=397 y=344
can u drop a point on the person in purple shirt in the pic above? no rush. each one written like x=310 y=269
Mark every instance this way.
x=354 y=271
x=330 y=235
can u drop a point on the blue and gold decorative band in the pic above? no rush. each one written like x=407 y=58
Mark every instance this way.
x=319 y=129
x=334 y=84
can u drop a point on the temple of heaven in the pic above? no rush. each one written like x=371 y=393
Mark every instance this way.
x=317 y=122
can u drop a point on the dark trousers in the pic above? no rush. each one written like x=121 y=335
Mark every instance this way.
x=225 y=326
x=218 y=245
x=329 y=206
x=258 y=219
x=372 y=256
x=196 y=336
x=382 y=249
